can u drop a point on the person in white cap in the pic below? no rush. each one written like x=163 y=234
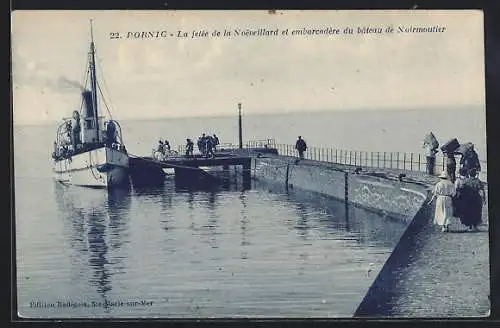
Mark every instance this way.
x=444 y=191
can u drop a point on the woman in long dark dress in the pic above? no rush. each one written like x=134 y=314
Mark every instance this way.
x=458 y=201
x=472 y=197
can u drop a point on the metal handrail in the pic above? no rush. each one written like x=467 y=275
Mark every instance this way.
x=406 y=161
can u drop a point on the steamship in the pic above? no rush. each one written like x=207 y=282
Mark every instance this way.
x=89 y=150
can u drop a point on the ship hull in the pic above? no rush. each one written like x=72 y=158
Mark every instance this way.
x=99 y=168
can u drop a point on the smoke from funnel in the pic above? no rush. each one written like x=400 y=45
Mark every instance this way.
x=64 y=83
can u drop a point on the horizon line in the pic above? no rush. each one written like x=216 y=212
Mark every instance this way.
x=294 y=111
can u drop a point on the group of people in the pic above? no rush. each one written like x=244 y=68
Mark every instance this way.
x=163 y=147
x=463 y=199
x=468 y=161
x=459 y=197
x=207 y=145
x=163 y=150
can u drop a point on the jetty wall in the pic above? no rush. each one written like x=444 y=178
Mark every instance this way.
x=387 y=197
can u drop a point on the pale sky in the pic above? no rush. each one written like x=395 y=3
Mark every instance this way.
x=172 y=77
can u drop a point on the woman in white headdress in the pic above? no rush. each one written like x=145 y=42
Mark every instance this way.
x=444 y=191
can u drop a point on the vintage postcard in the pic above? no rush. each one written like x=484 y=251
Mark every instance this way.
x=233 y=164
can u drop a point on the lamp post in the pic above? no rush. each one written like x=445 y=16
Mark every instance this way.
x=239 y=126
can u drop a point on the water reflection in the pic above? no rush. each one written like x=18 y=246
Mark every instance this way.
x=346 y=214
x=243 y=226
x=118 y=206
x=222 y=180
x=210 y=200
x=96 y=222
x=301 y=225
x=206 y=198
x=226 y=179
x=98 y=253
x=212 y=197
x=363 y=226
x=146 y=191
x=190 y=200
x=166 y=201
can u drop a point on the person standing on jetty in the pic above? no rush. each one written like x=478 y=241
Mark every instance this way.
x=160 y=150
x=301 y=147
x=166 y=146
x=470 y=160
x=451 y=165
x=443 y=192
x=215 y=142
x=430 y=154
x=470 y=199
x=430 y=145
x=189 y=148
x=200 y=145
x=208 y=146
x=458 y=199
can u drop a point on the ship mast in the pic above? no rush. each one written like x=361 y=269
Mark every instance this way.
x=93 y=82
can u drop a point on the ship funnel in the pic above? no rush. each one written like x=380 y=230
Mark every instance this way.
x=87 y=99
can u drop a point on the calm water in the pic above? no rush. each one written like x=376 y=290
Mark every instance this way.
x=193 y=253
x=196 y=253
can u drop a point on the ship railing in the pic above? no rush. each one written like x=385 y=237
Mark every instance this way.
x=63 y=144
x=62 y=140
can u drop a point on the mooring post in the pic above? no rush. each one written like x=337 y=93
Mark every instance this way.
x=240 y=135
